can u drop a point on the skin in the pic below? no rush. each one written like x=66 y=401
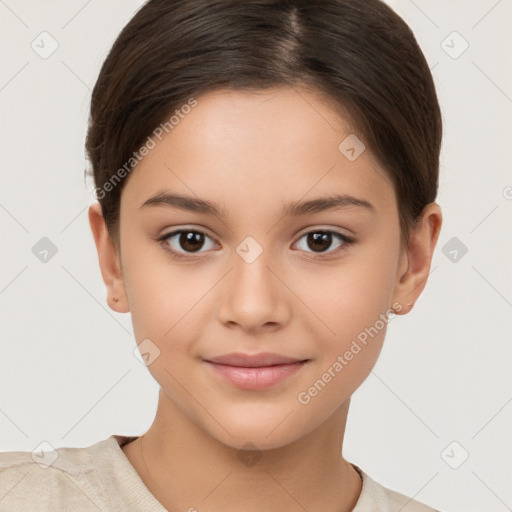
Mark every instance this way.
x=251 y=154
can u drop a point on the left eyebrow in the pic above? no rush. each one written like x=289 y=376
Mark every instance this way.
x=297 y=208
x=321 y=204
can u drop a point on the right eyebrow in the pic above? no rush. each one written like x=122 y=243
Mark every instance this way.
x=183 y=202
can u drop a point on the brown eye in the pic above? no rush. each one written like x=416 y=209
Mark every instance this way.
x=191 y=240
x=321 y=241
x=185 y=241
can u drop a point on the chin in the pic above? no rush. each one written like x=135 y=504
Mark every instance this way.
x=255 y=441
x=257 y=431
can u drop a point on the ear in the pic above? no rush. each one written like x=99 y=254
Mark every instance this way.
x=110 y=265
x=416 y=259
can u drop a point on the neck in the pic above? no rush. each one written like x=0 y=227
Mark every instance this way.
x=187 y=469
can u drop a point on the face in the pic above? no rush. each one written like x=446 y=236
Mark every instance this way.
x=311 y=284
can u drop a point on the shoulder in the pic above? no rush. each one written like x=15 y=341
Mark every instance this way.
x=377 y=498
x=399 y=501
x=51 y=480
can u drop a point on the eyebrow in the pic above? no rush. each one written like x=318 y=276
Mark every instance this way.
x=194 y=204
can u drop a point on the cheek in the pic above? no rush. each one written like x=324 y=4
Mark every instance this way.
x=160 y=292
x=166 y=309
x=348 y=340
x=352 y=310
x=160 y=306
x=352 y=297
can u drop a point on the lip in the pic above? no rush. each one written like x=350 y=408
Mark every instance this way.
x=253 y=360
x=255 y=372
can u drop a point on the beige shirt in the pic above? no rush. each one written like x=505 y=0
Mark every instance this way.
x=100 y=478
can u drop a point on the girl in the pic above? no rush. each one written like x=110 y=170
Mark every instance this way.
x=266 y=174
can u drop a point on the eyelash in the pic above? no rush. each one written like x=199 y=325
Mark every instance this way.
x=347 y=242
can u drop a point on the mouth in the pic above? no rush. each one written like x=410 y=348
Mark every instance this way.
x=255 y=372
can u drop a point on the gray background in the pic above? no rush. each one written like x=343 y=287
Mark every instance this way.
x=441 y=389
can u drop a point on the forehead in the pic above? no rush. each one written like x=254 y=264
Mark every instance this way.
x=259 y=148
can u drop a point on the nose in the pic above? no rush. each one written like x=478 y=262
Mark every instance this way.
x=253 y=297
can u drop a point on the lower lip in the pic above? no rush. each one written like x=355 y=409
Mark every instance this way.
x=258 y=378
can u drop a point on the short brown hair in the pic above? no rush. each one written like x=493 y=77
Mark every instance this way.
x=359 y=53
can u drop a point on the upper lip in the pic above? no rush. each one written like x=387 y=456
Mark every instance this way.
x=253 y=360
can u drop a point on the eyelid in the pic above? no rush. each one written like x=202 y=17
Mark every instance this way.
x=319 y=227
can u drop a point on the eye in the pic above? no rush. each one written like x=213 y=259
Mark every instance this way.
x=185 y=242
x=321 y=240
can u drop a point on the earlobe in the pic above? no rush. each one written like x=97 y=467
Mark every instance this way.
x=415 y=265
x=109 y=261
